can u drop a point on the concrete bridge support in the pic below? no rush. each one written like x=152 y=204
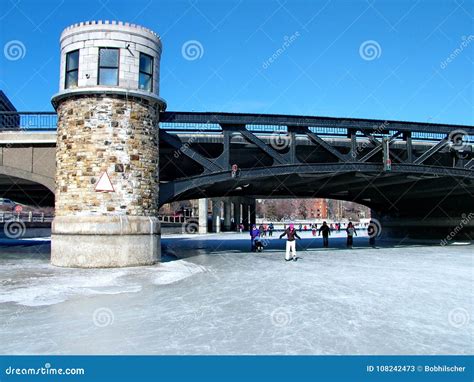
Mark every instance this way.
x=253 y=211
x=107 y=147
x=203 y=209
x=244 y=211
x=216 y=215
x=237 y=214
x=245 y=216
x=227 y=214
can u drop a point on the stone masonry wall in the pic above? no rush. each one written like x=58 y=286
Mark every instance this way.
x=100 y=133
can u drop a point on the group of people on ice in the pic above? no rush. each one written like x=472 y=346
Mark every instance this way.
x=291 y=235
x=265 y=229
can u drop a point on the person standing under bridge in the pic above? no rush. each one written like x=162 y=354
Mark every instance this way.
x=271 y=227
x=326 y=232
x=291 y=235
x=254 y=235
x=351 y=231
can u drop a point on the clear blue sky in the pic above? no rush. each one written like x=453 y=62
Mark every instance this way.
x=321 y=72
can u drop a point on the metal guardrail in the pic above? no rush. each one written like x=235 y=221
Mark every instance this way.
x=30 y=217
x=28 y=121
x=304 y=121
x=174 y=219
x=266 y=123
x=25 y=217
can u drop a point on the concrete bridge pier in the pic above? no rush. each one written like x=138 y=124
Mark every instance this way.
x=227 y=214
x=228 y=207
x=248 y=207
x=253 y=211
x=245 y=216
x=203 y=212
x=216 y=215
x=237 y=214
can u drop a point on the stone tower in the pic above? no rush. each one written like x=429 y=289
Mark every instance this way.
x=107 y=147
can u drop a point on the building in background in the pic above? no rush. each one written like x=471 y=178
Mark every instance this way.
x=11 y=122
x=319 y=209
x=183 y=207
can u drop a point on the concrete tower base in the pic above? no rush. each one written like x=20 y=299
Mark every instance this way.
x=105 y=241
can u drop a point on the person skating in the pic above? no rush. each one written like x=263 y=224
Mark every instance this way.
x=326 y=232
x=351 y=231
x=254 y=234
x=270 y=229
x=290 y=242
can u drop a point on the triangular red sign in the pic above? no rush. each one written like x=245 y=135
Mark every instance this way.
x=104 y=184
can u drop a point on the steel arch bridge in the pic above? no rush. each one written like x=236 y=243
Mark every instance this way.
x=198 y=151
x=414 y=176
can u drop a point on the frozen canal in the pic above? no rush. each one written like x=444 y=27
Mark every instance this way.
x=212 y=296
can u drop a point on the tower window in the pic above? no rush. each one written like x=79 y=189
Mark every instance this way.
x=108 y=66
x=72 y=69
x=145 y=80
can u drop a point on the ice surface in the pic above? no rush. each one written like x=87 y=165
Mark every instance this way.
x=212 y=296
x=36 y=282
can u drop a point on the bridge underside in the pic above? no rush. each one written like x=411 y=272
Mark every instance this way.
x=369 y=188
x=407 y=204
x=25 y=191
x=426 y=192
x=314 y=172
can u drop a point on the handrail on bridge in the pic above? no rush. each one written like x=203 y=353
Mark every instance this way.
x=31 y=217
x=28 y=120
x=263 y=123
x=308 y=121
x=26 y=217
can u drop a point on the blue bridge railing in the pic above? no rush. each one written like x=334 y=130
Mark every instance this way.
x=31 y=121
x=210 y=122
